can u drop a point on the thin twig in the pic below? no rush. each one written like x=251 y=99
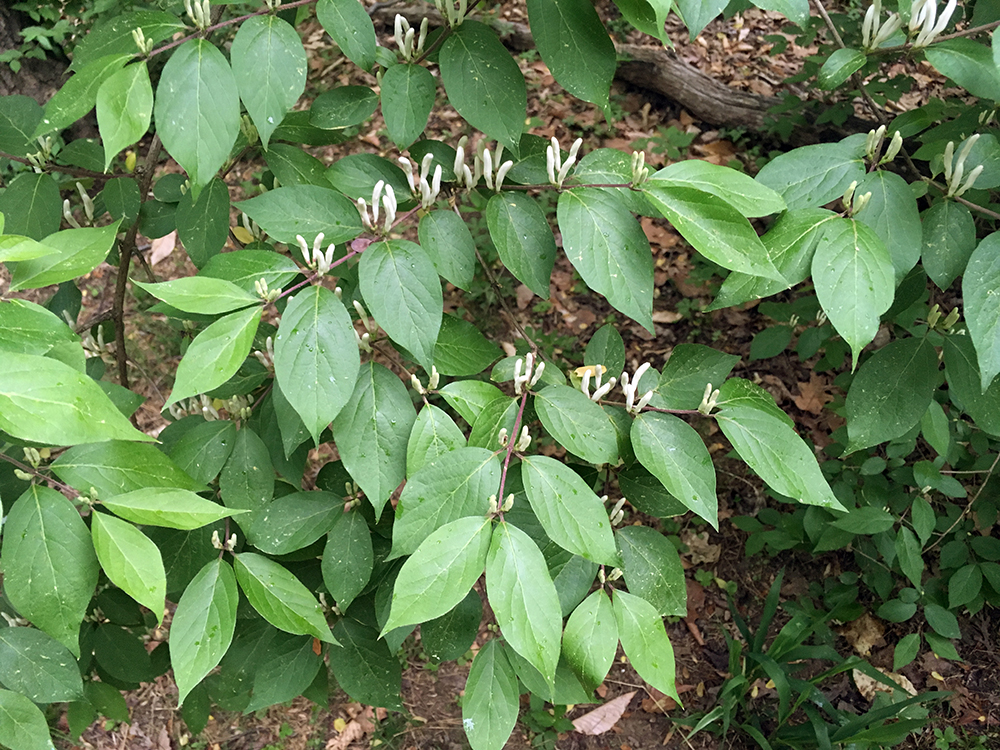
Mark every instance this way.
x=72 y=171
x=968 y=505
x=506 y=307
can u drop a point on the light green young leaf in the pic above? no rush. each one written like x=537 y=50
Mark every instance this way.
x=690 y=368
x=434 y=434
x=979 y=285
x=811 y=176
x=245 y=267
x=200 y=294
x=454 y=485
x=764 y=437
x=115 y=36
x=306 y=210
x=203 y=224
x=36 y=665
x=115 y=467
x=578 y=423
x=490 y=705
x=653 y=569
x=351 y=28
x=407 y=99
x=645 y=642
x=316 y=358
x=22 y=723
x=440 y=573
x=15 y=247
x=891 y=392
x=197 y=109
x=50 y=569
x=46 y=401
x=470 y=397
x=854 y=279
x=293 y=522
x=78 y=95
x=32 y=208
x=269 y=64
x=569 y=511
x=892 y=213
x=461 y=349
x=524 y=599
x=215 y=354
x=605 y=243
x=575 y=46
x=590 y=640
x=839 y=66
x=280 y=597
x=949 y=238
x=348 y=558
x=124 y=108
x=131 y=561
x=171 y=507
x=74 y=252
x=523 y=239
x=648 y=16
x=484 y=83
x=371 y=433
x=742 y=192
x=447 y=239
x=27 y=328
x=676 y=455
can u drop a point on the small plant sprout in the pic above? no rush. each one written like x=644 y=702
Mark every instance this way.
x=557 y=169
x=485 y=161
x=268 y=295
x=874 y=36
x=454 y=12
x=410 y=45
x=432 y=384
x=954 y=167
x=640 y=172
x=426 y=191
x=709 y=401
x=266 y=357
x=600 y=390
x=629 y=388
x=145 y=45
x=527 y=377
x=925 y=23
x=317 y=260
x=200 y=13
x=229 y=545
x=380 y=199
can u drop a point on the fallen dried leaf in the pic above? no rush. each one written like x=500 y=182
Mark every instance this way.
x=604 y=717
x=863 y=633
x=162 y=247
x=869 y=686
x=699 y=550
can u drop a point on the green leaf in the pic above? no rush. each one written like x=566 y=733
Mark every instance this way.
x=197 y=109
x=461 y=349
x=215 y=354
x=969 y=64
x=649 y=16
x=27 y=328
x=79 y=94
x=131 y=561
x=892 y=213
x=866 y=520
x=293 y=166
x=203 y=449
x=906 y=651
x=590 y=640
x=647 y=494
x=890 y=392
x=245 y=267
x=316 y=358
x=484 y=83
x=14 y=247
x=742 y=192
x=676 y=455
x=470 y=397
x=653 y=569
x=698 y=13
x=407 y=93
x=22 y=724
x=923 y=518
x=50 y=569
x=606 y=245
x=964 y=384
x=116 y=467
x=908 y=552
x=949 y=238
x=811 y=176
x=124 y=108
x=839 y=66
x=606 y=348
x=371 y=433
x=449 y=636
x=944 y=622
x=293 y=522
x=434 y=434
x=38 y=666
x=578 y=423
x=690 y=368
x=714 y=228
x=203 y=224
x=436 y=577
x=304 y=210
x=280 y=598
x=269 y=64
x=575 y=46
x=168 y=507
x=343 y=107
x=523 y=239
x=964 y=585
x=19 y=116
x=351 y=28
x=490 y=705
x=75 y=252
x=199 y=294
x=121 y=198
x=764 y=437
x=114 y=34
x=403 y=292
x=979 y=285
x=645 y=642
x=348 y=558
x=452 y=486
x=247 y=479
x=365 y=667
x=357 y=174
x=523 y=598
x=46 y=401
x=854 y=279
x=32 y=208
x=447 y=240
x=569 y=511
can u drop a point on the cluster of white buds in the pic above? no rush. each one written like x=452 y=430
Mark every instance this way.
x=426 y=190
x=485 y=161
x=229 y=545
x=934 y=318
x=527 y=377
x=34 y=457
x=558 y=169
x=97 y=347
x=453 y=12
x=629 y=387
x=507 y=504
x=88 y=208
x=874 y=36
x=266 y=357
x=272 y=4
x=600 y=390
x=855 y=203
x=364 y=340
x=709 y=401
x=640 y=172
x=14 y=622
x=523 y=441
x=198 y=405
x=410 y=44
x=268 y=295
x=145 y=45
x=924 y=20
x=238 y=406
x=987 y=116
x=873 y=145
x=317 y=260
x=464 y=175
x=386 y=200
x=954 y=167
x=200 y=13
x=248 y=231
x=41 y=157
x=614 y=575
x=249 y=131
x=432 y=384
x=617 y=512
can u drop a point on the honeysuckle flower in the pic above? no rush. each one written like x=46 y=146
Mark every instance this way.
x=557 y=169
x=426 y=190
x=432 y=384
x=503 y=437
x=894 y=146
x=145 y=45
x=617 y=513
x=873 y=35
x=68 y=215
x=229 y=545
x=531 y=373
x=410 y=45
x=200 y=13
x=629 y=387
x=454 y=13
x=640 y=172
x=508 y=503
x=380 y=200
x=925 y=23
x=709 y=401
x=369 y=323
x=266 y=357
x=268 y=295
x=954 y=167
x=600 y=391
x=524 y=440
x=316 y=259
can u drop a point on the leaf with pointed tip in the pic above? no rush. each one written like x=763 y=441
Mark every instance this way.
x=811 y=176
x=79 y=94
x=22 y=724
x=351 y=28
x=742 y=192
x=447 y=240
x=36 y=665
x=979 y=287
x=32 y=208
x=200 y=294
x=653 y=569
x=124 y=108
x=590 y=640
x=949 y=239
x=294 y=521
x=407 y=93
x=75 y=252
x=306 y=210
x=171 y=507
x=348 y=558
x=115 y=467
x=523 y=238
x=490 y=705
x=434 y=434
x=131 y=561
x=645 y=642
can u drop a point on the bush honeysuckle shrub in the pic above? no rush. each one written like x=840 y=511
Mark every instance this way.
x=437 y=485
